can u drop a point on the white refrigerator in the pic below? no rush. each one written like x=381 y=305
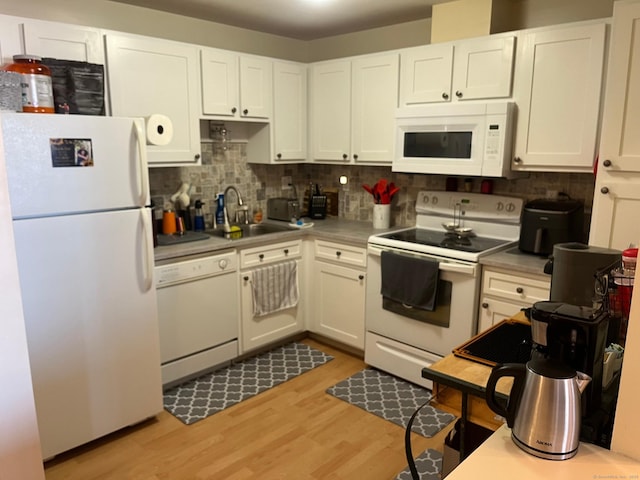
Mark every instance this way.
x=79 y=194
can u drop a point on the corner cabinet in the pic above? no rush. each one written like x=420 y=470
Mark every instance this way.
x=258 y=331
x=558 y=82
x=468 y=70
x=338 y=292
x=353 y=105
x=235 y=87
x=505 y=294
x=152 y=76
x=616 y=200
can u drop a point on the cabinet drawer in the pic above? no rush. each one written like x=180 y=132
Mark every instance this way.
x=266 y=254
x=512 y=287
x=341 y=253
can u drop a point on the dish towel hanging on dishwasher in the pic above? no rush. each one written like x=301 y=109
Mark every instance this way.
x=275 y=287
x=410 y=280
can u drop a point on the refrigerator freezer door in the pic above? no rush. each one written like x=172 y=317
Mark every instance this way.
x=91 y=323
x=45 y=155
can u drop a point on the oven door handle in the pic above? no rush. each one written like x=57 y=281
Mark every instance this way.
x=445 y=265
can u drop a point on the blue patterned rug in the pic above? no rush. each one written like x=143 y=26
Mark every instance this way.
x=393 y=399
x=213 y=392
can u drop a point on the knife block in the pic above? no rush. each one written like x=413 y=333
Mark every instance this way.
x=318 y=206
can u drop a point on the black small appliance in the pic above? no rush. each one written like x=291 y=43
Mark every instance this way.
x=546 y=222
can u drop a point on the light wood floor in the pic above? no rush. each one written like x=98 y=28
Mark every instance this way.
x=293 y=431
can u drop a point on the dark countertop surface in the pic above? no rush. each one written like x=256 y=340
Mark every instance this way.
x=514 y=260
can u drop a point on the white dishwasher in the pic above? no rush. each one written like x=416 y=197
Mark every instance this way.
x=198 y=302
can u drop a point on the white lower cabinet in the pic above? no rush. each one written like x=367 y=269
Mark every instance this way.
x=258 y=331
x=505 y=294
x=338 y=292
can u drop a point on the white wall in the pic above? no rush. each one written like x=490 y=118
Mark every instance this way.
x=20 y=455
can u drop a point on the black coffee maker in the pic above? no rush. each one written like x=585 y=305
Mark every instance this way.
x=576 y=336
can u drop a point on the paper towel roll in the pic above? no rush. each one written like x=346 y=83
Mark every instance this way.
x=159 y=129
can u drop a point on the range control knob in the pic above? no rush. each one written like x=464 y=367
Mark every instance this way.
x=510 y=207
x=223 y=263
x=500 y=206
x=434 y=200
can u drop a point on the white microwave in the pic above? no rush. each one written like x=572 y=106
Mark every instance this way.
x=467 y=139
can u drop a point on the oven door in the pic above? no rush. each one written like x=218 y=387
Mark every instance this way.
x=454 y=320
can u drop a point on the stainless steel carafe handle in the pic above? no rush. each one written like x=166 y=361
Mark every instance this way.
x=508 y=411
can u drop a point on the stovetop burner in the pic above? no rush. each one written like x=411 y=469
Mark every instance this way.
x=449 y=240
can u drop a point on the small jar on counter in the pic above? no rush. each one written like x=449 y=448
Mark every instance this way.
x=629 y=259
x=37 y=89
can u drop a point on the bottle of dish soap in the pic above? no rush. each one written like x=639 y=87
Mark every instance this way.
x=220 y=209
x=198 y=219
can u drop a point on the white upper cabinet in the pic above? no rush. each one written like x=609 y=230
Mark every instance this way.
x=152 y=76
x=557 y=89
x=289 y=122
x=353 y=106
x=10 y=44
x=466 y=70
x=63 y=41
x=235 y=87
x=616 y=201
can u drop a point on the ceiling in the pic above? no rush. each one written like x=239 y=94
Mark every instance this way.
x=300 y=19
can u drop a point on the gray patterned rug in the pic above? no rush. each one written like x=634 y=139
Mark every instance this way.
x=213 y=392
x=393 y=399
x=428 y=465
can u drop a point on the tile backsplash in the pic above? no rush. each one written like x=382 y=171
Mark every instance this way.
x=257 y=182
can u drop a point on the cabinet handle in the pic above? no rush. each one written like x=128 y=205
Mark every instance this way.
x=519 y=290
x=245 y=112
x=338 y=253
x=604 y=190
x=345 y=156
x=607 y=163
x=197 y=156
x=355 y=156
x=485 y=305
x=517 y=160
x=286 y=251
x=279 y=156
x=458 y=94
x=234 y=110
x=246 y=278
x=261 y=256
x=360 y=277
x=445 y=95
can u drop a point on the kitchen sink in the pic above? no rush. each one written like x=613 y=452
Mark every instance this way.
x=251 y=230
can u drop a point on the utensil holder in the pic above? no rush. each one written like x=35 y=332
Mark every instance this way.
x=318 y=207
x=381 y=215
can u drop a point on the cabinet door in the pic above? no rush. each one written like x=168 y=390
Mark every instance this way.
x=558 y=95
x=493 y=310
x=148 y=76
x=220 y=95
x=614 y=221
x=483 y=68
x=256 y=86
x=289 y=111
x=339 y=296
x=331 y=111
x=9 y=38
x=620 y=141
x=425 y=75
x=63 y=41
x=374 y=97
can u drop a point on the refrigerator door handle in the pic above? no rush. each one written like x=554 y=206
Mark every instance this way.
x=142 y=153
x=148 y=258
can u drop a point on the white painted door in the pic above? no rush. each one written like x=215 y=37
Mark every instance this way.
x=374 y=101
x=614 y=221
x=220 y=94
x=331 y=110
x=289 y=111
x=558 y=95
x=256 y=87
x=425 y=75
x=483 y=68
x=620 y=142
x=63 y=41
x=339 y=303
x=9 y=38
x=493 y=310
x=149 y=76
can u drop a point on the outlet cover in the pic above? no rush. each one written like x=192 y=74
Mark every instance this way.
x=285 y=182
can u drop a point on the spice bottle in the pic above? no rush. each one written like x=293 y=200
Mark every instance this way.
x=37 y=90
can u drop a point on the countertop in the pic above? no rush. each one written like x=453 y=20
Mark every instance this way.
x=344 y=231
x=514 y=260
x=499 y=458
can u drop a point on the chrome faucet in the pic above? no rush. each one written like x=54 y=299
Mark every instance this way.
x=241 y=208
